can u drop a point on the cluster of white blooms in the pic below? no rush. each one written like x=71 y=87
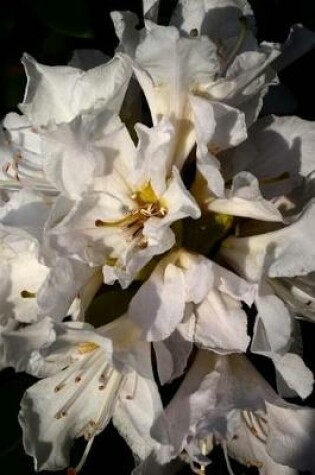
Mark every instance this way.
x=139 y=250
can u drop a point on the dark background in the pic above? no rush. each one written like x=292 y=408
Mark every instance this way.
x=50 y=30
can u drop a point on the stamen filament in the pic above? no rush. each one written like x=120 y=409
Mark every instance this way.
x=134 y=389
x=251 y=421
x=227 y=461
x=74 y=471
x=89 y=375
x=237 y=46
x=107 y=411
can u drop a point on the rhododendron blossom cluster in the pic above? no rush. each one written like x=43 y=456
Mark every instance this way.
x=151 y=188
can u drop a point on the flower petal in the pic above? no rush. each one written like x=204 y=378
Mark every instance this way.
x=159 y=304
x=65 y=281
x=291 y=436
x=40 y=416
x=221 y=324
x=294 y=372
x=139 y=407
x=244 y=199
x=172 y=356
x=250 y=451
x=17 y=345
x=60 y=93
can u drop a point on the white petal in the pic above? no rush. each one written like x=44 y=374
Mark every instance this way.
x=138 y=409
x=221 y=324
x=216 y=114
x=294 y=251
x=40 y=405
x=279 y=151
x=296 y=375
x=248 y=450
x=212 y=388
x=192 y=401
x=168 y=67
x=299 y=42
x=28 y=210
x=287 y=252
x=276 y=322
x=60 y=93
x=232 y=285
x=25 y=165
x=179 y=201
x=17 y=345
x=172 y=356
x=150 y=9
x=158 y=306
x=152 y=161
x=244 y=199
x=125 y=24
x=195 y=58
x=214 y=137
x=74 y=146
x=247 y=75
x=63 y=283
x=207 y=17
x=199 y=275
x=291 y=436
x=21 y=277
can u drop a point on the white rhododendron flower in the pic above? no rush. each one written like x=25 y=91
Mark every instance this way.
x=88 y=378
x=227 y=402
x=188 y=297
x=56 y=94
x=123 y=218
x=194 y=56
x=265 y=259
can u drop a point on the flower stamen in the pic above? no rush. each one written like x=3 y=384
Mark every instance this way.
x=132 y=395
x=255 y=423
x=25 y=294
x=148 y=206
x=237 y=46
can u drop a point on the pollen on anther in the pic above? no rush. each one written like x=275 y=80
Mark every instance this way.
x=78 y=379
x=194 y=33
x=99 y=223
x=58 y=388
x=25 y=294
x=60 y=414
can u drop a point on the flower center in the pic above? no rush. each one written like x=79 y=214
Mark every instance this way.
x=147 y=205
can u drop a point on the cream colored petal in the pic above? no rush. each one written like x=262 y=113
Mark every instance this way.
x=59 y=93
x=245 y=199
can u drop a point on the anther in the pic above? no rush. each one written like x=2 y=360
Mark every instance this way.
x=131 y=396
x=58 y=388
x=25 y=294
x=60 y=414
x=193 y=33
